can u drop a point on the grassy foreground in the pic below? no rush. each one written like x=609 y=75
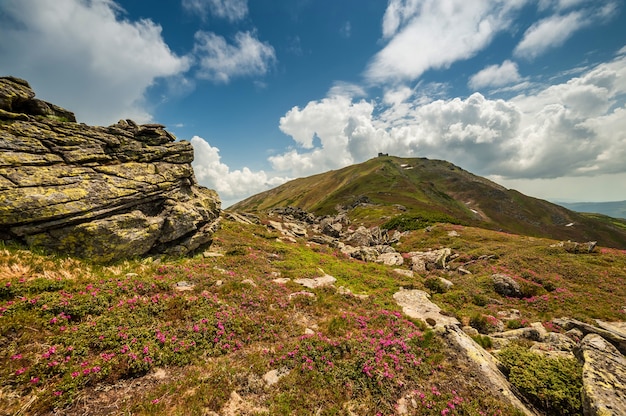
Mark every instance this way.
x=195 y=336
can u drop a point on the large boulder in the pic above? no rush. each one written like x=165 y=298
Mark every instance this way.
x=422 y=261
x=604 y=377
x=506 y=286
x=103 y=193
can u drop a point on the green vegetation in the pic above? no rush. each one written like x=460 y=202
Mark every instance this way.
x=410 y=222
x=70 y=330
x=552 y=384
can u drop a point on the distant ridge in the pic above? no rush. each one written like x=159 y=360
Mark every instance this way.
x=616 y=209
x=435 y=189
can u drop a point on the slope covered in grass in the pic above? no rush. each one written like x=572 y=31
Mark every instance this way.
x=435 y=188
x=199 y=335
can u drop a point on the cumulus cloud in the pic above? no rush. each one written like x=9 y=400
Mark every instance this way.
x=221 y=61
x=86 y=47
x=571 y=129
x=231 y=185
x=495 y=76
x=555 y=30
x=231 y=10
x=426 y=34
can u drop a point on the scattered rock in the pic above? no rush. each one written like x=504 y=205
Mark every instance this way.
x=577 y=248
x=390 y=259
x=423 y=261
x=453 y=234
x=281 y=280
x=614 y=338
x=237 y=406
x=184 y=286
x=509 y=315
x=367 y=254
x=404 y=272
x=209 y=254
x=325 y=280
x=417 y=304
x=345 y=291
x=273 y=376
x=249 y=282
x=618 y=328
x=447 y=284
x=604 y=377
x=506 y=286
x=302 y=294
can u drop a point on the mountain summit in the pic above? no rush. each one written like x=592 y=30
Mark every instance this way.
x=419 y=188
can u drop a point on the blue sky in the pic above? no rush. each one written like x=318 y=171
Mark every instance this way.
x=529 y=93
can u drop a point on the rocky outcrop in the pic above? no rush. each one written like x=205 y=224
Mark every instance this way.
x=422 y=261
x=604 y=377
x=103 y=193
x=416 y=304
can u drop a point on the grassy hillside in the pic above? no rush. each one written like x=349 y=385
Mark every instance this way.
x=435 y=188
x=132 y=338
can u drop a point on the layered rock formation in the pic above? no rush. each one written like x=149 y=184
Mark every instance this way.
x=103 y=193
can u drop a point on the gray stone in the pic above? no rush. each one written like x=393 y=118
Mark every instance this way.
x=506 y=286
x=429 y=260
x=614 y=338
x=404 y=272
x=604 y=377
x=322 y=281
x=104 y=193
x=390 y=259
x=417 y=304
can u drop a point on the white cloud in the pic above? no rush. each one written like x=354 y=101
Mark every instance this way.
x=560 y=5
x=220 y=61
x=555 y=30
x=76 y=50
x=495 y=76
x=549 y=33
x=232 y=10
x=427 y=34
x=233 y=185
x=576 y=128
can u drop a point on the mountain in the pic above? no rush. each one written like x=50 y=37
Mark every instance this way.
x=430 y=190
x=616 y=209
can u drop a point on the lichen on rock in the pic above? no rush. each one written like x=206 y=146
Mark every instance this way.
x=103 y=193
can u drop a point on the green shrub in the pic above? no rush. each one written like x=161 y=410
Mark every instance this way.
x=409 y=222
x=479 y=300
x=479 y=322
x=237 y=251
x=514 y=324
x=551 y=384
x=530 y=289
x=435 y=285
x=483 y=340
